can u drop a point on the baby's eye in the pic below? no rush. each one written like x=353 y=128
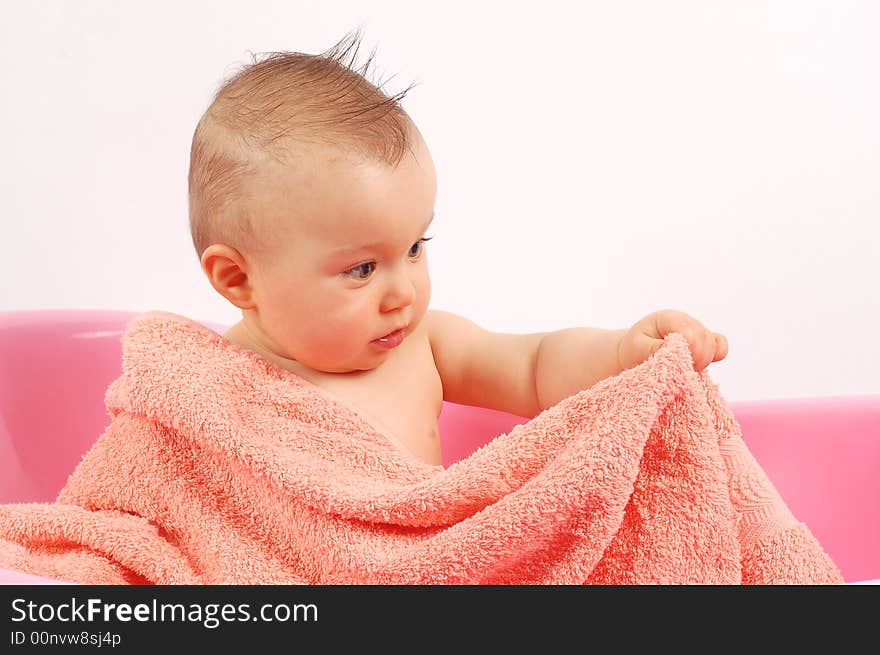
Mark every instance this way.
x=416 y=249
x=353 y=272
x=363 y=271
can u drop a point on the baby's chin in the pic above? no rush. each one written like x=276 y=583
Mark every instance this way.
x=339 y=368
x=355 y=369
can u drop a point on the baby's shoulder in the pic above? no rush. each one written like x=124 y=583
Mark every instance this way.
x=441 y=325
x=455 y=341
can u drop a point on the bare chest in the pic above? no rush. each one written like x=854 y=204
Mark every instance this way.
x=402 y=398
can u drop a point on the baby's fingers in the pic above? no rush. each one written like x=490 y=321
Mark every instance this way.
x=702 y=349
x=704 y=346
x=709 y=347
x=720 y=347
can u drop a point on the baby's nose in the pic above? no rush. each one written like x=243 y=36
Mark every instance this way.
x=401 y=292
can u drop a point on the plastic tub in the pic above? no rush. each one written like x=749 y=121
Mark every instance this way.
x=823 y=454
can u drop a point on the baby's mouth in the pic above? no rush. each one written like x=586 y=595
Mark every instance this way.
x=392 y=339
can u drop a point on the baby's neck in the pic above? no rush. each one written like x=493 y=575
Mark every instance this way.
x=241 y=336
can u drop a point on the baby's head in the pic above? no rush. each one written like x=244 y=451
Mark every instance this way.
x=310 y=192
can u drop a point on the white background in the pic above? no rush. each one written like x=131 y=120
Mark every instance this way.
x=596 y=161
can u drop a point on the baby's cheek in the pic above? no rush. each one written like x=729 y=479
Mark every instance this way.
x=423 y=292
x=341 y=327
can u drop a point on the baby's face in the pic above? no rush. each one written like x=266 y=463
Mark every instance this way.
x=347 y=266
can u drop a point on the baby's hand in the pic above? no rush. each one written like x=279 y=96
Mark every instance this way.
x=645 y=337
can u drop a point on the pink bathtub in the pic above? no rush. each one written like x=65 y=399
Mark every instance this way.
x=823 y=454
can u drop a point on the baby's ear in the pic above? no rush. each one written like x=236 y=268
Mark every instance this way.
x=226 y=270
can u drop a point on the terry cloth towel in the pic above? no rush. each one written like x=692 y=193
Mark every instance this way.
x=219 y=467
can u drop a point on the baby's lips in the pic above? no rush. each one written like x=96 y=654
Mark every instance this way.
x=392 y=339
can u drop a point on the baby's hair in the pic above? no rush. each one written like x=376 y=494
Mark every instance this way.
x=273 y=108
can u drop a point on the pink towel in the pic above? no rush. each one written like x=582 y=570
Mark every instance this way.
x=220 y=468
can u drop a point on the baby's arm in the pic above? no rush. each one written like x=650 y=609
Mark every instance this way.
x=526 y=373
x=518 y=373
x=574 y=359
x=482 y=368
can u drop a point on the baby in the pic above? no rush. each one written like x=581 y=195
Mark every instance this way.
x=311 y=198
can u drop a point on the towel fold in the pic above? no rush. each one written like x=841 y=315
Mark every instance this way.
x=218 y=467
